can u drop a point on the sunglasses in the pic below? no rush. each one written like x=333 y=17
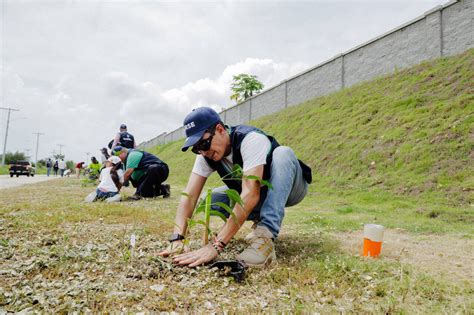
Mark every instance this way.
x=204 y=145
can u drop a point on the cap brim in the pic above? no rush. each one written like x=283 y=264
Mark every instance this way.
x=192 y=140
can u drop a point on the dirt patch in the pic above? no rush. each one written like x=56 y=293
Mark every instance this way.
x=444 y=256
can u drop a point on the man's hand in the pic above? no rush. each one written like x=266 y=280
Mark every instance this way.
x=198 y=257
x=175 y=247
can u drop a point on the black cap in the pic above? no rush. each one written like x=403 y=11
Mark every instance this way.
x=123 y=126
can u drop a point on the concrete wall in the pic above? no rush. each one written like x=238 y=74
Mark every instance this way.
x=443 y=31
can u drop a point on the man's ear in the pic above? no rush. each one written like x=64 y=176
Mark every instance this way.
x=220 y=128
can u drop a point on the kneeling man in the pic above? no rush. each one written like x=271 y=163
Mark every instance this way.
x=219 y=148
x=145 y=171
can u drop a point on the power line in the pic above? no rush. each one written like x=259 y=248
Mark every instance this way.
x=6 y=132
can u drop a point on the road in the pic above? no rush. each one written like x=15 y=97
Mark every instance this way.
x=7 y=182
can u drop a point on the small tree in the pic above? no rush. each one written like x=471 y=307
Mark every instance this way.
x=245 y=86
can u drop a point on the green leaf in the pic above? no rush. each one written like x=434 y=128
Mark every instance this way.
x=223 y=206
x=234 y=196
x=266 y=183
x=201 y=222
x=218 y=214
x=200 y=208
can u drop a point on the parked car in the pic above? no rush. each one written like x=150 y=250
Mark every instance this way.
x=21 y=168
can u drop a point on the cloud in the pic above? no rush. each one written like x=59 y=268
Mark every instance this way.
x=147 y=102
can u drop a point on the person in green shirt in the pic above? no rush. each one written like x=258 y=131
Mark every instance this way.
x=94 y=168
x=145 y=171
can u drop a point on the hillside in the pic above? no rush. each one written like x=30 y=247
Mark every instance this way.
x=409 y=133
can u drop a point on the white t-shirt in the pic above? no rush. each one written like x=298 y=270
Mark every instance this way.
x=106 y=182
x=254 y=149
x=61 y=164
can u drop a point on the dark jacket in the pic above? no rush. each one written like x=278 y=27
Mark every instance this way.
x=237 y=135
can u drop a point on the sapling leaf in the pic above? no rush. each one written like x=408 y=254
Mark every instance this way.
x=191 y=223
x=234 y=196
x=267 y=183
x=223 y=206
x=261 y=181
x=185 y=194
x=236 y=173
x=218 y=214
x=200 y=222
x=228 y=209
x=200 y=208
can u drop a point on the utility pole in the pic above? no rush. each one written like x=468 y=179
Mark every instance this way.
x=6 y=132
x=60 y=147
x=38 y=134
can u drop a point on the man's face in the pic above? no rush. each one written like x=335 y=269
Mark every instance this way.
x=219 y=146
x=123 y=155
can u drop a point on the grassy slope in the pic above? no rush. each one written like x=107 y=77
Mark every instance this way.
x=401 y=146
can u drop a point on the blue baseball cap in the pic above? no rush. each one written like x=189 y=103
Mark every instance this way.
x=117 y=150
x=196 y=123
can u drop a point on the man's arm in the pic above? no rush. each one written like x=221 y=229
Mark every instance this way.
x=187 y=203
x=185 y=211
x=116 y=140
x=128 y=174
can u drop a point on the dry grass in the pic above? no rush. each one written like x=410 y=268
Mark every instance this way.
x=59 y=254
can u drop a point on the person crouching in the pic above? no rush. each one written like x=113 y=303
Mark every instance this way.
x=111 y=181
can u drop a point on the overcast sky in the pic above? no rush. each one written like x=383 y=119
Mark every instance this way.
x=76 y=70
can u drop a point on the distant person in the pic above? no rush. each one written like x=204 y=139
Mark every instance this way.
x=79 y=167
x=62 y=167
x=145 y=171
x=123 y=139
x=94 y=168
x=49 y=165
x=111 y=181
x=55 y=167
x=67 y=172
x=221 y=148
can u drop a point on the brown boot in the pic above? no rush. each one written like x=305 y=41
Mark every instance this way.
x=261 y=250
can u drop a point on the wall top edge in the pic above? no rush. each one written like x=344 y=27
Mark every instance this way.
x=404 y=25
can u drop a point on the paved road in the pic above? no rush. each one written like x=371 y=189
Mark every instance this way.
x=6 y=181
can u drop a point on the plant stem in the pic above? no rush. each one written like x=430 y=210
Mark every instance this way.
x=207 y=215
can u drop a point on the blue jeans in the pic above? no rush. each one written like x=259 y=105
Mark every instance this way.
x=289 y=188
x=104 y=195
x=48 y=171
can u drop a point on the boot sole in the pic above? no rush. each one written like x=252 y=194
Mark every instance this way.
x=269 y=261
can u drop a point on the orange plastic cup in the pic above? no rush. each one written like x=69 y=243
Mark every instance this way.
x=373 y=237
